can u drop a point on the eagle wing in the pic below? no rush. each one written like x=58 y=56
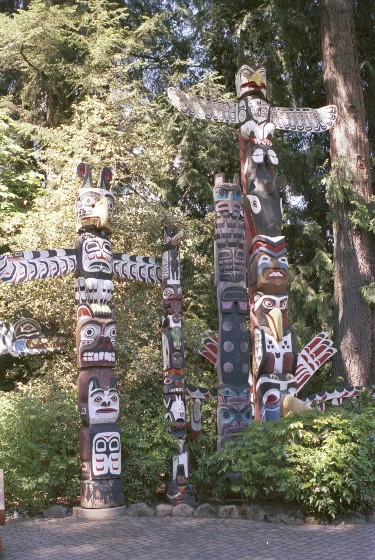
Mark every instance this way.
x=24 y=266
x=205 y=108
x=304 y=120
x=135 y=267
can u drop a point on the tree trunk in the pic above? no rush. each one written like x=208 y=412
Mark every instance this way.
x=353 y=247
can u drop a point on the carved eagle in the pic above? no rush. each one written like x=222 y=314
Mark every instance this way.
x=252 y=112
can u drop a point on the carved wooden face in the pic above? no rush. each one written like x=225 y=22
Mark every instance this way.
x=251 y=82
x=174 y=405
x=269 y=272
x=94 y=207
x=106 y=454
x=98 y=399
x=103 y=403
x=270 y=312
x=233 y=418
x=228 y=198
x=173 y=381
x=97 y=255
x=96 y=341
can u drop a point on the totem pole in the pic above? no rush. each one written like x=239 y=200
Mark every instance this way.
x=234 y=411
x=275 y=357
x=27 y=336
x=94 y=265
x=178 y=489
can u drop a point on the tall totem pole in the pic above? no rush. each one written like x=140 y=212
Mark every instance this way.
x=98 y=400
x=178 y=489
x=234 y=411
x=275 y=359
x=94 y=265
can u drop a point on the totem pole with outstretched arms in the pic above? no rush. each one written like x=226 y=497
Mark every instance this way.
x=94 y=265
x=275 y=359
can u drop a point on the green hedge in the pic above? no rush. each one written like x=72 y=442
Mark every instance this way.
x=323 y=461
x=39 y=446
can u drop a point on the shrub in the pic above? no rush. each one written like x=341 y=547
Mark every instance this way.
x=39 y=446
x=325 y=462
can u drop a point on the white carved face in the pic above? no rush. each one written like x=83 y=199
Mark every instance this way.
x=103 y=404
x=176 y=408
x=94 y=207
x=106 y=454
x=97 y=255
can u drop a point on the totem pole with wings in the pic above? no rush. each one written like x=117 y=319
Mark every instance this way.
x=94 y=265
x=278 y=370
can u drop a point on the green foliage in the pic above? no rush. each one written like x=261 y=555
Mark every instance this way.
x=324 y=462
x=147 y=449
x=19 y=177
x=340 y=186
x=38 y=445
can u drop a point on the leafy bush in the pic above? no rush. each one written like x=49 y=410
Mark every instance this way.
x=147 y=449
x=324 y=462
x=39 y=446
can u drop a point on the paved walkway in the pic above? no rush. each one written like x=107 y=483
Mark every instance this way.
x=172 y=538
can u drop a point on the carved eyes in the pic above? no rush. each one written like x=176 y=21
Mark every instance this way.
x=223 y=194
x=88 y=200
x=94 y=246
x=167 y=293
x=90 y=332
x=264 y=258
x=270 y=302
x=110 y=331
x=99 y=399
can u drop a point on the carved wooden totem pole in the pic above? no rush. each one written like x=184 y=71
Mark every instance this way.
x=234 y=411
x=94 y=265
x=275 y=358
x=27 y=336
x=178 y=489
x=98 y=401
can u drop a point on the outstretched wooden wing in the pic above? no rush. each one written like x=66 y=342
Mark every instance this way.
x=135 y=267
x=24 y=266
x=304 y=120
x=312 y=357
x=205 y=108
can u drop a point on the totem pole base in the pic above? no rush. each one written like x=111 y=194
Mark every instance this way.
x=98 y=514
x=102 y=494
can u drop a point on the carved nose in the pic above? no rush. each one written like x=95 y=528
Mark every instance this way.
x=230 y=203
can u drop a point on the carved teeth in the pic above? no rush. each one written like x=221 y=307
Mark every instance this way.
x=98 y=356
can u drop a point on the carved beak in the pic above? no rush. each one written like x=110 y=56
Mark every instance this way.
x=256 y=78
x=101 y=210
x=275 y=321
